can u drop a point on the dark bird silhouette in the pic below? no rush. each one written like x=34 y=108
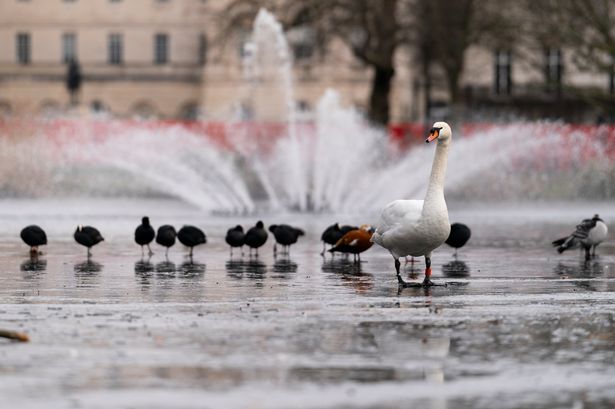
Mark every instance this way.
x=256 y=236
x=285 y=235
x=33 y=236
x=191 y=236
x=235 y=237
x=166 y=236
x=355 y=241
x=459 y=236
x=588 y=234
x=333 y=233
x=88 y=236
x=144 y=235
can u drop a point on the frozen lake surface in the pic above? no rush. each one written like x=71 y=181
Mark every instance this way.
x=518 y=326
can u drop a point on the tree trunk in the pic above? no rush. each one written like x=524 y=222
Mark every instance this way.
x=380 y=94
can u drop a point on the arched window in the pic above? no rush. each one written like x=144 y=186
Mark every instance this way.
x=144 y=110
x=50 y=109
x=301 y=36
x=203 y=49
x=5 y=109
x=189 y=111
x=98 y=107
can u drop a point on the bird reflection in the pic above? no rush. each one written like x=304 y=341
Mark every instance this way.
x=86 y=272
x=143 y=270
x=234 y=269
x=33 y=265
x=456 y=268
x=88 y=267
x=165 y=269
x=192 y=269
x=283 y=267
x=351 y=273
x=252 y=268
x=580 y=270
x=255 y=268
x=584 y=269
x=143 y=266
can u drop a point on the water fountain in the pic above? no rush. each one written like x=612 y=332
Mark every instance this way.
x=336 y=164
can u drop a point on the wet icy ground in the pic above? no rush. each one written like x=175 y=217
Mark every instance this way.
x=517 y=327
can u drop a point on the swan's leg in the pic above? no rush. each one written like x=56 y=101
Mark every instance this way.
x=427 y=281
x=397 y=266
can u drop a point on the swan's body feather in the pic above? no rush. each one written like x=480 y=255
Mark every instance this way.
x=404 y=231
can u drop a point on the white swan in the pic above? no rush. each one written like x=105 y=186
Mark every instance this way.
x=417 y=227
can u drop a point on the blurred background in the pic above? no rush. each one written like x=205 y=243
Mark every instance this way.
x=397 y=61
x=78 y=72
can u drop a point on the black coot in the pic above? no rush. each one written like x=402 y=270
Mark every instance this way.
x=191 y=236
x=459 y=236
x=235 y=237
x=333 y=233
x=166 y=236
x=256 y=236
x=33 y=236
x=145 y=234
x=285 y=235
x=88 y=236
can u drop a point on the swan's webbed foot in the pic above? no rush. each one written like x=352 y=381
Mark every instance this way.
x=428 y=283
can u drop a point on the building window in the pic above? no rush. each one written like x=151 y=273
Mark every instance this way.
x=161 y=48
x=69 y=47
x=612 y=76
x=202 y=49
x=115 y=49
x=554 y=67
x=503 y=83
x=23 y=48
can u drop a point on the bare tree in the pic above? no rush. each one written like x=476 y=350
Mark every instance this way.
x=447 y=28
x=586 y=27
x=440 y=31
x=370 y=28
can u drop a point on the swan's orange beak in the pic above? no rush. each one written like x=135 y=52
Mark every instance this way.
x=433 y=134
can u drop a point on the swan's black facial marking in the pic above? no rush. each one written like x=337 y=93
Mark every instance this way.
x=433 y=134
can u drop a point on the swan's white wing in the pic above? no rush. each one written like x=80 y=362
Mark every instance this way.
x=396 y=214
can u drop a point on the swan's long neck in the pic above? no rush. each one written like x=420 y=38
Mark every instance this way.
x=434 y=199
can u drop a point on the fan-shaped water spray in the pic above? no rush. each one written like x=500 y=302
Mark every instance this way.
x=337 y=163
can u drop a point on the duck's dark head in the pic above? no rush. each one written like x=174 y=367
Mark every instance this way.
x=145 y=221
x=238 y=228
x=273 y=227
x=260 y=224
